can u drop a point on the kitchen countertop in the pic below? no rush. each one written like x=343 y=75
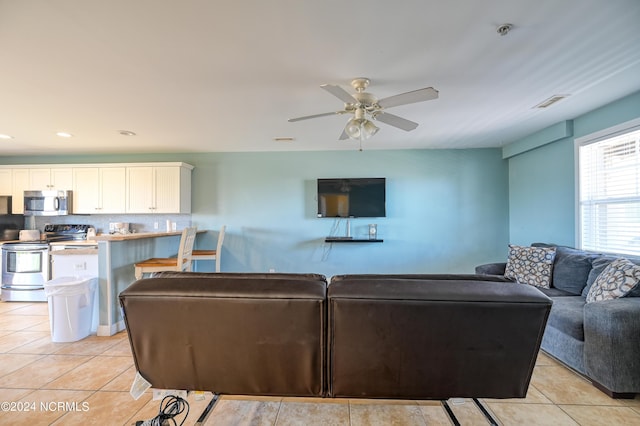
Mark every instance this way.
x=75 y=252
x=136 y=236
x=88 y=243
x=111 y=237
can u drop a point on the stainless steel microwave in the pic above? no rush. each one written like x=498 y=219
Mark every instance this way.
x=47 y=203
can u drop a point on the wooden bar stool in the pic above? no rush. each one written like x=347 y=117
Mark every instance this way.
x=211 y=254
x=182 y=262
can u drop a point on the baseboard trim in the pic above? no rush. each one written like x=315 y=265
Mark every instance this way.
x=106 y=330
x=612 y=394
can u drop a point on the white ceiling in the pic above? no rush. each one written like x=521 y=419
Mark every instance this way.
x=225 y=75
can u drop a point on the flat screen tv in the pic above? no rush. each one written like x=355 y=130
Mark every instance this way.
x=352 y=197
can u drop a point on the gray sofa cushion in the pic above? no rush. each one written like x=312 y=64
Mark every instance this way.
x=567 y=316
x=571 y=269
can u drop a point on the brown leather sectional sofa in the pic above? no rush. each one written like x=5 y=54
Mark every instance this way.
x=361 y=336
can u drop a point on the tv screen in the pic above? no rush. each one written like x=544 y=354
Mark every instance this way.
x=357 y=197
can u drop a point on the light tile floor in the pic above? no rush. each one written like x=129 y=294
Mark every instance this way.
x=87 y=383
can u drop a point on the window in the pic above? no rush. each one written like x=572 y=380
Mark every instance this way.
x=609 y=193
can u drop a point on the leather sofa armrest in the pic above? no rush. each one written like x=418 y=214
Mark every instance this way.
x=612 y=343
x=497 y=268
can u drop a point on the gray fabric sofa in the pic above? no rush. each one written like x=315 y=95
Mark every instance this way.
x=600 y=340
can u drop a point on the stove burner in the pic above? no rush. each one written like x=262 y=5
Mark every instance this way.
x=65 y=232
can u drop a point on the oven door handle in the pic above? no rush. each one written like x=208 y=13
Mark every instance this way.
x=26 y=250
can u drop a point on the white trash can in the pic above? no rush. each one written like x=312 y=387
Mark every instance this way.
x=71 y=304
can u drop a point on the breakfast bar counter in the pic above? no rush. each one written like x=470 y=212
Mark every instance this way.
x=135 y=236
x=117 y=254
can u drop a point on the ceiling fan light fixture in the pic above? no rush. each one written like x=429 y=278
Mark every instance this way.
x=360 y=128
x=353 y=128
x=369 y=129
x=366 y=107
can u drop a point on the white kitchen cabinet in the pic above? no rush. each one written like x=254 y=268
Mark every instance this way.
x=113 y=184
x=6 y=182
x=140 y=190
x=51 y=179
x=20 y=184
x=109 y=188
x=159 y=189
x=99 y=190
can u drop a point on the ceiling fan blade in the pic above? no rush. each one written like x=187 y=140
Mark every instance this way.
x=339 y=93
x=420 y=95
x=307 y=117
x=395 y=121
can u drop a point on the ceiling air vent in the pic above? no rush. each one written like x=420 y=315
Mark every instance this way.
x=552 y=100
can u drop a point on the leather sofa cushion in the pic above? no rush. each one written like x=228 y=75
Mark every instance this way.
x=421 y=338
x=554 y=292
x=231 y=334
x=429 y=277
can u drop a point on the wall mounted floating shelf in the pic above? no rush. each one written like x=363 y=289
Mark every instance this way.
x=350 y=240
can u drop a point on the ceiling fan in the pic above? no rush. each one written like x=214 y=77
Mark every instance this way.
x=366 y=107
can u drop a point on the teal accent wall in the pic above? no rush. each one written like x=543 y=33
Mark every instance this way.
x=541 y=195
x=447 y=210
x=542 y=198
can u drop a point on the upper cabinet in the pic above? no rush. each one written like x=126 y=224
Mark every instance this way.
x=114 y=188
x=20 y=179
x=51 y=179
x=159 y=189
x=99 y=190
x=6 y=182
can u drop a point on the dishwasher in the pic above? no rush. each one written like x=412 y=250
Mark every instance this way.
x=74 y=261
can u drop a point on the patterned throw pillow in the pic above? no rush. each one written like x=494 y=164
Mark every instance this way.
x=617 y=279
x=530 y=265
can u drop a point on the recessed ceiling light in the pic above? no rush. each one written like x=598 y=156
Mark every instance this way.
x=64 y=135
x=5 y=136
x=126 y=133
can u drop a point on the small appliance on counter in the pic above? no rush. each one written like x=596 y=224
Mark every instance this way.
x=29 y=235
x=91 y=233
x=121 y=228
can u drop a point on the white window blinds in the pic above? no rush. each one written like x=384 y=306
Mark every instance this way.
x=609 y=192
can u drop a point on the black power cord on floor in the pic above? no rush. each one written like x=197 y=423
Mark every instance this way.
x=171 y=406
